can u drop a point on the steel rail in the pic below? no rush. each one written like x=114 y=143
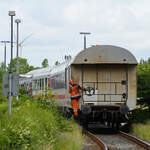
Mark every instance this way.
x=136 y=140
x=98 y=141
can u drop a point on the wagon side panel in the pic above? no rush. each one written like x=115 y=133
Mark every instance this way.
x=132 y=86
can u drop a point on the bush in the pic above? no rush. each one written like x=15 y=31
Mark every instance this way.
x=2 y=98
x=141 y=116
x=141 y=125
x=143 y=81
x=36 y=125
x=3 y=110
x=30 y=127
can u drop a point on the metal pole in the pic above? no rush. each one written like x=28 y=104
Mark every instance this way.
x=5 y=57
x=11 y=61
x=9 y=106
x=11 y=13
x=5 y=42
x=84 y=42
x=17 y=71
x=17 y=63
x=85 y=33
x=11 y=69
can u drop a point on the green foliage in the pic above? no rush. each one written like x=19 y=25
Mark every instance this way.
x=2 y=67
x=30 y=127
x=22 y=91
x=1 y=73
x=36 y=124
x=141 y=125
x=64 y=139
x=45 y=63
x=57 y=63
x=47 y=100
x=143 y=80
x=2 y=98
x=142 y=130
x=141 y=116
x=3 y=109
x=24 y=67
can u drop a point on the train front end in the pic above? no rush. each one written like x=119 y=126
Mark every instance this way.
x=107 y=75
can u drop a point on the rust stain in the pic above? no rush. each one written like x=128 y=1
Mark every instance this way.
x=100 y=57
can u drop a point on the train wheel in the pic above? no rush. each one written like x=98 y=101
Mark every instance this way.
x=117 y=126
x=67 y=113
x=112 y=125
x=85 y=122
x=108 y=124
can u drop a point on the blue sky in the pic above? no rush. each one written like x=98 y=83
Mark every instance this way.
x=55 y=27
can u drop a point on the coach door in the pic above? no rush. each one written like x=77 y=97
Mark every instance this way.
x=89 y=80
x=112 y=83
x=104 y=83
x=119 y=83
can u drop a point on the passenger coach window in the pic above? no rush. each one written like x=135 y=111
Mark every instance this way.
x=35 y=84
x=69 y=73
x=46 y=82
x=58 y=81
x=30 y=85
x=63 y=80
x=40 y=84
x=65 y=77
x=52 y=83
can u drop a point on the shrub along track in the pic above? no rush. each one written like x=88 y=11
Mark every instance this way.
x=117 y=140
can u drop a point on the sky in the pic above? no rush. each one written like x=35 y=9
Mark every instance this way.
x=53 y=26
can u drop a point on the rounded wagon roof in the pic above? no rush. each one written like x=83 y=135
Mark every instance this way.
x=105 y=54
x=40 y=72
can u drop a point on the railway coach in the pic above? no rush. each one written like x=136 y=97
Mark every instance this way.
x=107 y=75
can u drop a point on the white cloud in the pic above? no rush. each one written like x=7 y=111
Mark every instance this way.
x=56 y=25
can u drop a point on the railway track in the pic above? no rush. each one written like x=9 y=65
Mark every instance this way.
x=117 y=141
x=136 y=140
x=97 y=140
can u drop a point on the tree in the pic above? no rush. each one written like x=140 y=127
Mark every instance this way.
x=33 y=68
x=23 y=66
x=2 y=70
x=45 y=63
x=143 y=82
x=57 y=63
x=2 y=67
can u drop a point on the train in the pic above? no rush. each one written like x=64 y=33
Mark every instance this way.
x=108 y=75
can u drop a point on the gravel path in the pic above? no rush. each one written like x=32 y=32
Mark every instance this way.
x=117 y=142
x=88 y=144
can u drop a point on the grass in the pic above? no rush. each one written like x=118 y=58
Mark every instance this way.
x=29 y=127
x=142 y=130
x=141 y=125
x=75 y=136
x=36 y=125
x=34 y=128
x=3 y=109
